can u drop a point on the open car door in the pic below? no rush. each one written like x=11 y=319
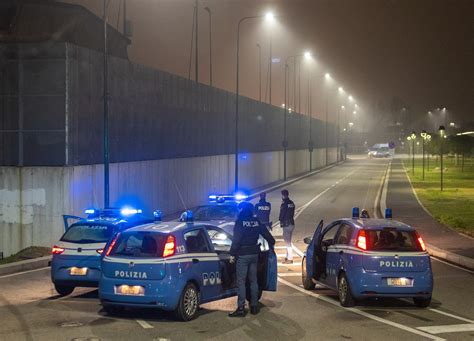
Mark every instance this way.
x=313 y=269
x=69 y=220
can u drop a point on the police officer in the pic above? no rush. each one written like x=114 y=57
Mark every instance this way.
x=245 y=249
x=287 y=223
x=262 y=211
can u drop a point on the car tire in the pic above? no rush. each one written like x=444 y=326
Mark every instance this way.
x=188 y=304
x=344 y=291
x=422 y=302
x=307 y=282
x=63 y=290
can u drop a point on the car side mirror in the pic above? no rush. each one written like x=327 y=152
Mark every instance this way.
x=307 y=240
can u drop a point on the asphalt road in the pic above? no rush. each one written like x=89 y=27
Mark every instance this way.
x=31 y=310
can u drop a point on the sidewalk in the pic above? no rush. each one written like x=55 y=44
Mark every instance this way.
x=442 y=240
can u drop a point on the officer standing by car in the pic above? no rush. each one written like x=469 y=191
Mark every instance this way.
x=262 y=211
x=245 y=250
x=287 y=223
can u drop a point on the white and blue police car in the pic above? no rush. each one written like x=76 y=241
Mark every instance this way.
x=76 y=256
x=221 y=210
x=362 y=257
x=173 y=266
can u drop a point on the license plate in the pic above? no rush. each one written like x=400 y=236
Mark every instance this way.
x=78 y=271
x=400 y=282
x=134 y=290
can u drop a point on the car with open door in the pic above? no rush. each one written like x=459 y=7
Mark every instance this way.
x=174 y=266
x=363 y=257
x=76 y=256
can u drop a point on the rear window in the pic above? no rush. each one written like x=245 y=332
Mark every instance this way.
x=392 y=240
x=86 y=234
x=140 y=244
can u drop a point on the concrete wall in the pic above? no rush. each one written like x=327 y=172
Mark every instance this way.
x=33 y=199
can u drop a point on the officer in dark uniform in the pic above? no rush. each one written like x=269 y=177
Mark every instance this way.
x=262 y=211
x=287 y=223
x=245 y=249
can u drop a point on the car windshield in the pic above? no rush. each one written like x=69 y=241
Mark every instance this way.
x=216 y=212
x=392 y=240
x=88 y=233
x=139 y=244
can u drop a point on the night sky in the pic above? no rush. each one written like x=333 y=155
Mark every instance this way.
x=420 y=51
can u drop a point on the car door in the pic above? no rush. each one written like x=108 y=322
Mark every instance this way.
x=338 y=258
x=329 y=256
x=221 y=242
x=205 y=263
x=312 y=261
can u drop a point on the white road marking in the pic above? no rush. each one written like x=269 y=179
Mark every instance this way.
x=280 y=247
x=24 y=272
x=454 y=266
x=144 y=324
x=451 y=315
x=360 y=312
x=290 y=274
x=452 y=328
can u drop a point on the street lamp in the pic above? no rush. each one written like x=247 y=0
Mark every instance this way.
x=442 y=134
x=208 y=10
x=412 y=138
x=106 y=114
x=268 y=16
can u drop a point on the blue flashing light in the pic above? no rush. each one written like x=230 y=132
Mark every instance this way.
x=158 y=215
x=90 y=211
x=388 y=213
x=212 y=197
x=189 y=216
x=240 y=196
x=128 y=211
x=355 y=212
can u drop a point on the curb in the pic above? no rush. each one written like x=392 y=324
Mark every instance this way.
x=462 y=261
x=24 y=265
x=450 y=257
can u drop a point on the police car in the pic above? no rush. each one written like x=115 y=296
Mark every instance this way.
x=174 y=266
x=76 y=256
x=363 y=257
x=222 y=210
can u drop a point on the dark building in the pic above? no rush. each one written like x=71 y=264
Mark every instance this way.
x=35 y=21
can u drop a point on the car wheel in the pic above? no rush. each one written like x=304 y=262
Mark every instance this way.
x=344 y=291
x=188 y=304
x=63 y=290
x=422 y=302
x=307 y=282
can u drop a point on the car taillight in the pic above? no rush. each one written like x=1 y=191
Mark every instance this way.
x=421 y=242
x=99 y=251
x=170 y=247
x=56 y=250
x=361 y=242
x=112 y=244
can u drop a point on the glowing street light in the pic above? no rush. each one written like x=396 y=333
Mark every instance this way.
x=442 y=134
x=307 y=55
x=341 y=89
x=351 y=98
x=269 y=16
x=354 y=112
x=412 y=138
x=327 y=76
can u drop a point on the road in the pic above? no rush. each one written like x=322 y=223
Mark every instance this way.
x=31 y=310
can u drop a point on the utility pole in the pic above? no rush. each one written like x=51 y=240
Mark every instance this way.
x=106 y=115
x=208 y=10
x=125 y=17
x=270 y=72
x=196 y=62
x=259 y=72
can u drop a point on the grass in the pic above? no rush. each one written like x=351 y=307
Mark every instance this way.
x=454 y=206
x=28 y=253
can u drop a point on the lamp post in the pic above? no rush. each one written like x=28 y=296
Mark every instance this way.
x=426 y=137
x=236 y=164
x=106 y=114
x=208 y=10
x=413 y=138
x=442 y=135
x=259 y=72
